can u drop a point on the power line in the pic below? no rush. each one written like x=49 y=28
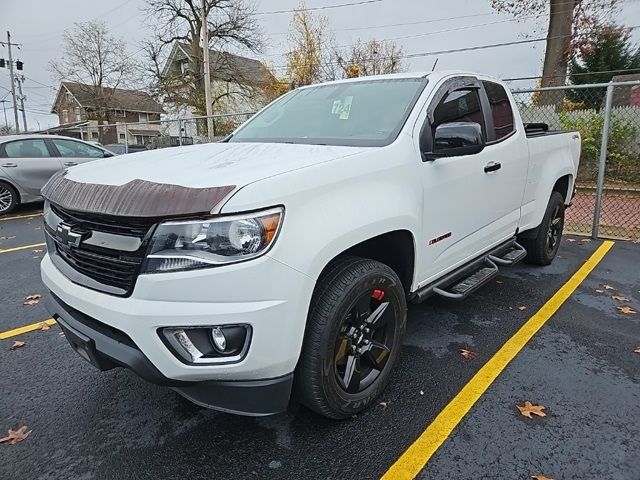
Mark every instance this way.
x=467 y=49
x=573 y=74
x=326 y=7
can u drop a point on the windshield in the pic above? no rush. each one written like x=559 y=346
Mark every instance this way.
x=364 y=113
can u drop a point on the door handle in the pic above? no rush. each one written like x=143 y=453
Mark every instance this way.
x=70 y=164
x=492 y=167
x=9 y=165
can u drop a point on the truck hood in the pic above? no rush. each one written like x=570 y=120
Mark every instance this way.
x=209 y=165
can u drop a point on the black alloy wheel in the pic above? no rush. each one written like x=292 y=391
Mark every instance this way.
x=353 y=337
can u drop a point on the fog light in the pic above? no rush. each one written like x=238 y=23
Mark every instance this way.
x=219 y=339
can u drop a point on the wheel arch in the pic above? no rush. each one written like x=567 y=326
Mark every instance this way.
x=564 y=186
x=395 y=248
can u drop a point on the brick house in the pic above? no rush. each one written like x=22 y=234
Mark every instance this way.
x=628 y=95
x=77 y=108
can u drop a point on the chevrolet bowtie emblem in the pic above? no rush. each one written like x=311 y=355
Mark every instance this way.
x=66 y=236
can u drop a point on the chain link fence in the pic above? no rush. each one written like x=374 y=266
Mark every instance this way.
x=148 y=135
x=607 y=200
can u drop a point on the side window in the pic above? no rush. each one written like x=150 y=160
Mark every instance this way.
x=500 y=109
x=70 y=149
x=34 y=148
x=459 y=106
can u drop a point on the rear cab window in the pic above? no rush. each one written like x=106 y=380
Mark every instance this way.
x=501 y=111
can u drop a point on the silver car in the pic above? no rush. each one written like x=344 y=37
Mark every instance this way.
x=28 y=161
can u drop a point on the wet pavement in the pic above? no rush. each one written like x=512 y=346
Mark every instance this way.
x=581 y=366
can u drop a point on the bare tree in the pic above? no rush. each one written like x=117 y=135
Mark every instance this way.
x=373 y=57
x=571 y=23
x=95 y=59
x=309 y=59
x=7 y=130
x=231 y=25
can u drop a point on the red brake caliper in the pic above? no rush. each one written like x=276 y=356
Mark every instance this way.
x=377 y=294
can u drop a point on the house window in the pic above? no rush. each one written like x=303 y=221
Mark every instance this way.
x=69 y=97
x=122 y=136
x=65 y=116
x=94 y=135
x=139 y=140
x=120 y=113
x=143 y=117
x=78 y=117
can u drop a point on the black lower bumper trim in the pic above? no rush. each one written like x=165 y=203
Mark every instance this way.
x=107 y=348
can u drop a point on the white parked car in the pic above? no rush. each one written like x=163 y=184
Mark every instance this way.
x=28 y=161
x=284 y=258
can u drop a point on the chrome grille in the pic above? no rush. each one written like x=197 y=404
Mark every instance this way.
x=99 y=267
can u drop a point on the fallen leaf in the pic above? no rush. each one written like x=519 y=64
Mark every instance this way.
x=599 y=291
x=385 y=404
x=468 y=354
x=585 y=240
x=61 y=334
x=7 y=238
x=608 y=287
x=421 y=392
x=32 y=299
x=571 y=239
x=540 y=477
x=38 y=228
x=637 y=350
x=620 y=298
x=499 y=281
x=522 y=307
x=17 y=344
x=16 y=436
x=626 y=310
x=44 y=326
x=528 y=408
x=37 y=251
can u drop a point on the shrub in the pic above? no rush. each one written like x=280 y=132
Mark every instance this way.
x=623 y=161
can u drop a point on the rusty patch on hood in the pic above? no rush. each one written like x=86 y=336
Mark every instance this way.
x=137 y=198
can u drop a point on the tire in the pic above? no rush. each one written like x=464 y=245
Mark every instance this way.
x=8 y=198
x=355 y=301
x=542 y=249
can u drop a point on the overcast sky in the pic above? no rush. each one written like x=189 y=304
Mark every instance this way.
x=433 y=26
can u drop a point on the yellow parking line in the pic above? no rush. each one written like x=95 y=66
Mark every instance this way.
x=23 y=247
x=31 y=215
x=25 y=329
x=413 y=460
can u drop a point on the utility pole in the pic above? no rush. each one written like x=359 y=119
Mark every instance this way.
x=4 y=109
x=13 y=83
x=22 y=98
x=207 y=73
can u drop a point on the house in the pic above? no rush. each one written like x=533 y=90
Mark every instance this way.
x=626 y=95
x=237 y=84
x=78 y=108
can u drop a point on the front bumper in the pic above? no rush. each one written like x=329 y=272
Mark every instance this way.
x=277 y=310
x=107 y=348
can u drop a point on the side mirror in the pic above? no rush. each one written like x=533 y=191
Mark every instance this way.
x=455 y=139
x=106 y=154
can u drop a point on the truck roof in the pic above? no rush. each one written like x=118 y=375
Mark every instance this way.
x=436 y=75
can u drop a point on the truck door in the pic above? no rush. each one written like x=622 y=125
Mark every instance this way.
x=471 y=201
x=29 y=163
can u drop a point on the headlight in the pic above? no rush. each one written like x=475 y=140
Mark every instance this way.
x=216 y=241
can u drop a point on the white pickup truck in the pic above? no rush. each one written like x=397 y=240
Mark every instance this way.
x=283 y=257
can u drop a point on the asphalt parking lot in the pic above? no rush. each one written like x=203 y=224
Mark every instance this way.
x=581 y=366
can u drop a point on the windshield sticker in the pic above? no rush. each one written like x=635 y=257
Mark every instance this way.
x=342 y=108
